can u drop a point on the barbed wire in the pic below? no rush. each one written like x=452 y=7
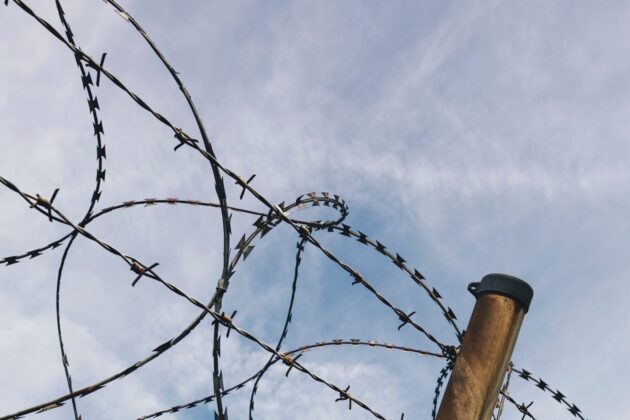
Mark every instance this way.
x=274 y=215
x=503 y=393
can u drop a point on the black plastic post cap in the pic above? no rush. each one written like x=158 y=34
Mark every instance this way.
x=506 y=285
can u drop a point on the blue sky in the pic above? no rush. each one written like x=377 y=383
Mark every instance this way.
x=470 y=138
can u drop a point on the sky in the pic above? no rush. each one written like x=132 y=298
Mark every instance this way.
x=469 y=137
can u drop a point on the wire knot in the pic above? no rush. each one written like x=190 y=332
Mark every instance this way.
x=357 y=278
x=450 y=352
x=140 y=270
x=183 y=139
x=344 y=395
x=244 y=184
x=45 y=203
x=289 y=361
x=226 y=320
x=524 y=409
x=405 y=318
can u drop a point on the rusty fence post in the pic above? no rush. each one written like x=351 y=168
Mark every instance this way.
x=481 y=364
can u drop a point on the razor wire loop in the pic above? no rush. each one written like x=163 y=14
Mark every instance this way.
x=285 y=328
x=276 y=214
x=93 y=106
x=439 y=383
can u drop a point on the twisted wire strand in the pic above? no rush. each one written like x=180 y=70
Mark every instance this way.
x=187 y=140
x=219 y=318
x=300 y=350
x=522 y=407
x=150 y=273
x=262 y=227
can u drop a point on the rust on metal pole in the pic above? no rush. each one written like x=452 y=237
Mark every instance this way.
x=482 y=361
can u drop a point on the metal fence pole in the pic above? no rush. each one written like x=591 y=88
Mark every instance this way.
x=479 y=370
